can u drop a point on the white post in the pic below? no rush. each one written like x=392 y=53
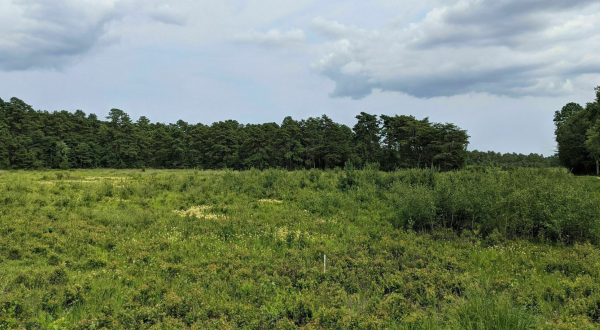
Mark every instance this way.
x=324 y=263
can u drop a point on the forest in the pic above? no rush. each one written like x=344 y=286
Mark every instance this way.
x=32 y=139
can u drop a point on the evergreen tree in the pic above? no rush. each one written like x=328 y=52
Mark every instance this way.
x=143 y=138
x=312 y=140
x=451 y=147
x=289 y=144
x=335 y=149
x=367 y=139
x=258 y=147
x=162 y=146
x=198 y=146
x=224 y=145
x=5 y=138
x=572 y=123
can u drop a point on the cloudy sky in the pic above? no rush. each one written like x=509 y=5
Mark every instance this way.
x=497 y=68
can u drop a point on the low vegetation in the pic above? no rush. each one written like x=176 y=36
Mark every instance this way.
x=187 y=249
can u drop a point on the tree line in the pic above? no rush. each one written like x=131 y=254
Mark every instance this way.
x=31 y=139
x=578 y=136
x=510 y=160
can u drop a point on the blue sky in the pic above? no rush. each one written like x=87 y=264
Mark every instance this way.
x=497 y=68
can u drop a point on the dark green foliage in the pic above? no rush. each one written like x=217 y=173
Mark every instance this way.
x=259 y=146
x=576 y=136
x=481 y=160
x=543 y=204
x=32 y=139
x=412 y=143
x=326 y=143
x=367 y=139
x=5 y=138
x=572 y=122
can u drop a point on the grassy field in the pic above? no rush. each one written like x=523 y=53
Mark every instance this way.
x=126 y=249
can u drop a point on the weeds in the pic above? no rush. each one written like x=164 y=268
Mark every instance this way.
x=196 y=249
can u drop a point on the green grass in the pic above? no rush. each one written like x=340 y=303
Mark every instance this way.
x=125 y=249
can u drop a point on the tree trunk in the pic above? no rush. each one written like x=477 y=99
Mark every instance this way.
x=597 y=167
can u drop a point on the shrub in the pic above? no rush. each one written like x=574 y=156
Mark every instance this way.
x=489 y=312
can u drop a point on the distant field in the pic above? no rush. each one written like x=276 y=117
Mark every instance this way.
x=414 y=249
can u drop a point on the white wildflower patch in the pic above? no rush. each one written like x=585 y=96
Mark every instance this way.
x=321 y=221
x=200 y=212
x=174 y=236
x=66 y=181
x=283 y=234
x=269 y=201
x=91 y=179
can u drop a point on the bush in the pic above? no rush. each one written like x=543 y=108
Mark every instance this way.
x=487 y=312
x=533 y=203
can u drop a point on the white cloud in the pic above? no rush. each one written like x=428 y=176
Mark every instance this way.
x=274 y=38
x=501 y=47
x=167 y=14
x=334 y=29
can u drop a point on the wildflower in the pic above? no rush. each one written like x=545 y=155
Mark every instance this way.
x=270 y=201
x=200 y=212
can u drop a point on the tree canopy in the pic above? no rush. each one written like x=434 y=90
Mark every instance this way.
x=577 y=136
x=510 y=160
x=31 y=139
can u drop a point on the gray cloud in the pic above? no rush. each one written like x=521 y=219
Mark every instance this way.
x=510 y=47
x=49 y=34
x=496 y=23
x=486 y=12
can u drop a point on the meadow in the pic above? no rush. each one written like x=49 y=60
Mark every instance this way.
x=479 y=248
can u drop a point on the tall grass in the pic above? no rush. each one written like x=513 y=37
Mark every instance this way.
x=484 y=312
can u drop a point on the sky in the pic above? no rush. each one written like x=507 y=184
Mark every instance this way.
x=496 y=68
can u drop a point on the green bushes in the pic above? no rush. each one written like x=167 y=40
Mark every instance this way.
x=534 y=203
x=483 y=312
x=411 y=249
x=415 y=206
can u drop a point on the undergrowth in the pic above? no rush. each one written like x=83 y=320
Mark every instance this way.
x=415 y=249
